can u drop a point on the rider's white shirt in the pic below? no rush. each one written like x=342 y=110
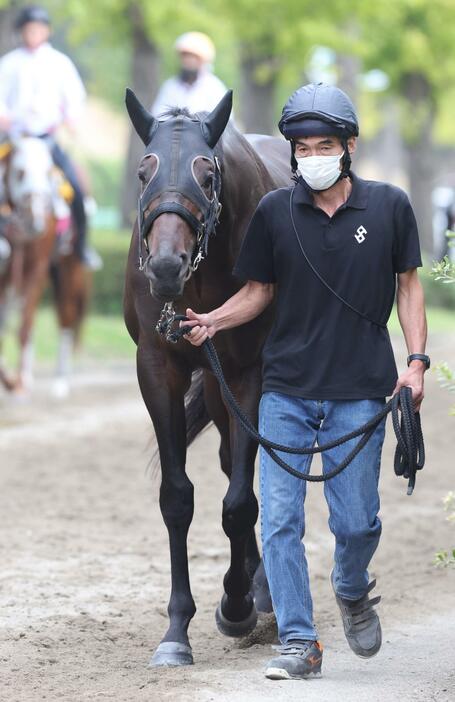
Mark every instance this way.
x=39 y=90
x=203 y=95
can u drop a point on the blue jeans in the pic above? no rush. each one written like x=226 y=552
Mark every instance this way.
x=352 y=498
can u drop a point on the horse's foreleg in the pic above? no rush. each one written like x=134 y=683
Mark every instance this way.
x=61 y=382
x=236 y=615
x=165 y=403
x=31 y=299
x=72 y=286
x=35 y=276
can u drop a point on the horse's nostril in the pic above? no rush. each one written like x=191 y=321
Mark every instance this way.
x=164 y=267
x=184 y=257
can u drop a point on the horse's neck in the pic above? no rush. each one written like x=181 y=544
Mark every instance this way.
x=245 y=181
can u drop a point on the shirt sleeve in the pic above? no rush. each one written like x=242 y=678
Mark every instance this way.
x=5 y=84
x=255 y=260
x=72 y=91
x=406 y=247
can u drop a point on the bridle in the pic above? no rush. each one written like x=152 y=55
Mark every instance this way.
x=203 y=227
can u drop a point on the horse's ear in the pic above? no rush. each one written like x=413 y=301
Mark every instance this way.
x=215 y=123
x=143 y=122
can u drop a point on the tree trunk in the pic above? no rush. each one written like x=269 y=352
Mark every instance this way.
x=144 y=82
x=419 y=119
x=257 y=106
x=7 y=36
x=349 y=68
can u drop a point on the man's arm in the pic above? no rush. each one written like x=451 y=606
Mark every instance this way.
x=242 y=307
x=411 y=313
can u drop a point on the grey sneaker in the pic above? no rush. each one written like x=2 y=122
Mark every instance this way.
x=361 y=623
x=298 y=659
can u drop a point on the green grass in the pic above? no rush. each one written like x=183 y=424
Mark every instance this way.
x=103 y=337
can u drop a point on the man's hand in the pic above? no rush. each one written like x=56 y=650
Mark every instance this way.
x=413 y=378
x=202 y=327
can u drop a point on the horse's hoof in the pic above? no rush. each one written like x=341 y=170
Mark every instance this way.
x=60 y=389
x=171 y=653
x=236 y=629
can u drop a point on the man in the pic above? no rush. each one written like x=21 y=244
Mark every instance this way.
x=40 y=90
x=196 y=87
x=328 y=363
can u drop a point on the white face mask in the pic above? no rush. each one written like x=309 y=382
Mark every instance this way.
x=320 y=172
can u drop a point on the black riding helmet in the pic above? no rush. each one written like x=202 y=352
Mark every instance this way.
x=32 y=13
x=318 y=110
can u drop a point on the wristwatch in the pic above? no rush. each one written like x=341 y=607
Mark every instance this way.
x=420 y=357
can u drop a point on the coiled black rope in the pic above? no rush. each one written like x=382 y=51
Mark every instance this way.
x=410 y=450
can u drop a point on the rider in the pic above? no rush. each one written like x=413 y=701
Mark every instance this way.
x=41 y=90
x=195 y=87
x=327 y=365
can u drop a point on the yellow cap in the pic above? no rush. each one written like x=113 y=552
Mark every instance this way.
x=196 y=43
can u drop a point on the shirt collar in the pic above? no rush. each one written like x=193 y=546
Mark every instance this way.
x=358 y=199
x=32 y=52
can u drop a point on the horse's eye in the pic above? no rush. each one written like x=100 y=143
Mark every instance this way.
x=20 y=174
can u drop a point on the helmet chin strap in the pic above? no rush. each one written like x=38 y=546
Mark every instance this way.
x=346 y=162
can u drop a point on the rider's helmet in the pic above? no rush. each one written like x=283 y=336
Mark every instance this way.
x=32 y=13
x=196 y=43
x=318 y=110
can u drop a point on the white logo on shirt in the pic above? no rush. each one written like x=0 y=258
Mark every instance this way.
x=360 y=236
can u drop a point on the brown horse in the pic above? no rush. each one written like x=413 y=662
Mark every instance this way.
x=32 y=235
x=190 y=162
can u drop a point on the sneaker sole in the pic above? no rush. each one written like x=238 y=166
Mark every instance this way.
x=282 y=674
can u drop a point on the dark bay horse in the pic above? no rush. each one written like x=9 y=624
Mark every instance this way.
x=188 y=163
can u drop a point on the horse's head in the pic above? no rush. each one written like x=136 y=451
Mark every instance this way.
x=30 y=183
x=180 y=185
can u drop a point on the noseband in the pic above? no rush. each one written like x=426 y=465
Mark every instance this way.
x=166 y=180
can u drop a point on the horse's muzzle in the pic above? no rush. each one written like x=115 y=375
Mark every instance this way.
x=167 y=275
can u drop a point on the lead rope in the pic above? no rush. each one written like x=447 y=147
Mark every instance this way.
x=410 y=450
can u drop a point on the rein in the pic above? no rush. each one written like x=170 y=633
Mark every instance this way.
x=410 y=449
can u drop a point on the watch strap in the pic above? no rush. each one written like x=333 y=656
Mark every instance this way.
x=419 y=357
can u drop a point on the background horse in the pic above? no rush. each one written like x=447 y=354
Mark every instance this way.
x=186 y=166
x=30 y=185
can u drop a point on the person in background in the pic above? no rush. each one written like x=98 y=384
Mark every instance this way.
x=40 y=91
x=195 y=87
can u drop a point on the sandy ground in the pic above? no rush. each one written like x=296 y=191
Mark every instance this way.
x=84 y=577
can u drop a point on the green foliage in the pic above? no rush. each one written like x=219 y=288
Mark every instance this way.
x=444 y=270
x=447 y=558
x=108 y=283
x=446 y=379
x=436 y=295
x=105 y=180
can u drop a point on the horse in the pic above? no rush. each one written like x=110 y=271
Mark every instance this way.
x=32 y=233
x=192 y=164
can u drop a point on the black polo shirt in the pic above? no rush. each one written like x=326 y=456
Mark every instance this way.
x=318 y=348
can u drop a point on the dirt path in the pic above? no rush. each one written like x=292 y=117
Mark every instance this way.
x=85 y=570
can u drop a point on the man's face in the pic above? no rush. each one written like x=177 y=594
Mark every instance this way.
x=190 y=62
x=34 y=34
x=321 y=146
